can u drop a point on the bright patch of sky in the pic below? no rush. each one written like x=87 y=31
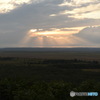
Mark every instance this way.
x=9 y=5
x=82 y=9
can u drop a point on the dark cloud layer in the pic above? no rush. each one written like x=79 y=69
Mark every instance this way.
x=91 y=34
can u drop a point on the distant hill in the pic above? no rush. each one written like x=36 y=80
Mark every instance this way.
x=49 y=49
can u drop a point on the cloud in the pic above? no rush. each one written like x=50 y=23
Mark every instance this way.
x=87 y=37
x=15 y=24
x=44 y=16
x=9 y=5
x=78 y=3
x=87 y=9
x=91 y=11
x=91 y=34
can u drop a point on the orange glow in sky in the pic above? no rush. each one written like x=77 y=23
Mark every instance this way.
x=54 y=32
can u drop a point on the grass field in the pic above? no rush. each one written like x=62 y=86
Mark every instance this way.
x=54 y=55
x=49 y=69
x=48 y=75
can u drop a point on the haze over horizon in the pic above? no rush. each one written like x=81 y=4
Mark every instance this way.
x=49 y=23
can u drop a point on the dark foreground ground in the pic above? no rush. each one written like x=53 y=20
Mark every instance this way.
x=48 y=75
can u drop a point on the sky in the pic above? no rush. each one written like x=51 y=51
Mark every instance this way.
x=49 y=23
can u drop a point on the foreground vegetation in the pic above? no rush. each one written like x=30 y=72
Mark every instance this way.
x=22 y=90
x=43 y=79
